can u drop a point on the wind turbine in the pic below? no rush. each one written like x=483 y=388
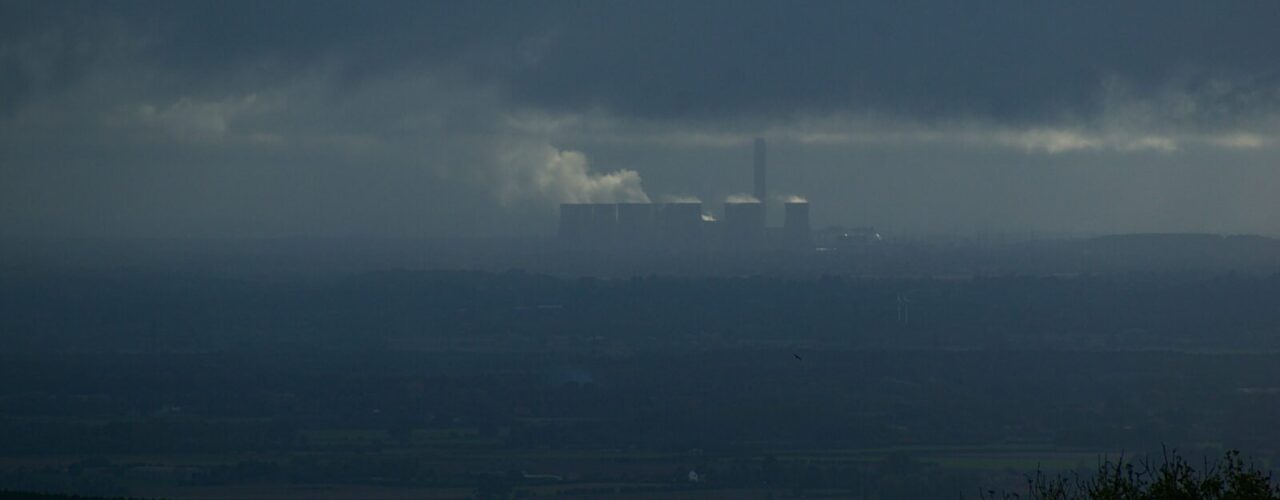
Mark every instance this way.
x=904 y=309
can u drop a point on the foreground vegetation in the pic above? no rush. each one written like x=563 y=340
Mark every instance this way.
x=1173 y=479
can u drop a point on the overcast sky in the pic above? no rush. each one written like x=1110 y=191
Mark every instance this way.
x=265 y=119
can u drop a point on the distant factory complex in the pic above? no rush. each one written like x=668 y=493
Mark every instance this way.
x=684 y=225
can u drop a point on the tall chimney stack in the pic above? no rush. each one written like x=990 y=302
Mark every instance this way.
x=760 y=192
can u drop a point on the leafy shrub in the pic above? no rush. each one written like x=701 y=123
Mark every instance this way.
x=1173 y=479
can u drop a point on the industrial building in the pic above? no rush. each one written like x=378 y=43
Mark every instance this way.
x=684 y=225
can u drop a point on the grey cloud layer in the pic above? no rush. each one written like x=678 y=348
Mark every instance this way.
x=280 y=118
x=124 y=150
x=1010 y=60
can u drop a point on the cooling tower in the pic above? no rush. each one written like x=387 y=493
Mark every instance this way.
x=744 y=223
x=575 y=218
x=681 y=224
x=604 y=221
x=795 y=224
x=592 y=224
x=637 y=223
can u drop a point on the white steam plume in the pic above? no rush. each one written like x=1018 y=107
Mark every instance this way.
x=680 y=198
x=793 y=198
x=741 y=198
x=540 y=172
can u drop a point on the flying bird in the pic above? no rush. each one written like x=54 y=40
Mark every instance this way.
x=797 y=356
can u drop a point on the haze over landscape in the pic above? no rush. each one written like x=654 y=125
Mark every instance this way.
x=633 y=250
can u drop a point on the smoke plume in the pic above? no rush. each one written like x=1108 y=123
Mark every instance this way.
x=741 y=198
x=541 y=172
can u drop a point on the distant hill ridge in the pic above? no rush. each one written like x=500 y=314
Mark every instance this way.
x=1181 y=250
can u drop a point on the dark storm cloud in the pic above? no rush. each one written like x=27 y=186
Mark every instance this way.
x=211 y=46
x=1012 y=60
x=1006 y=60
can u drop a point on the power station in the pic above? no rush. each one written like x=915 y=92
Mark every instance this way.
x=684 y=225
